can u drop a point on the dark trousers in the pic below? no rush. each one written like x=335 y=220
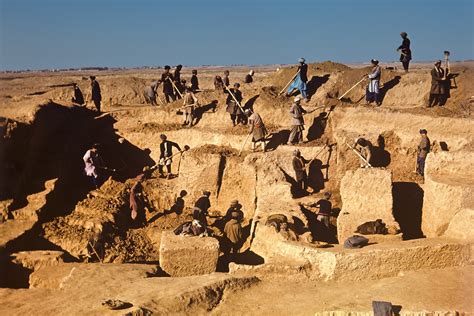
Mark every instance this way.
x=421 y=165
x=302 y=185
x=406 y=64
x=436 y=99
x=168 y=168
x=372 y=96
x=168 y=96
x=97 y=105
x=238 y=118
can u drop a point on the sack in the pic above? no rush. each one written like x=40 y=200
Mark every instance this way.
x=355 y=241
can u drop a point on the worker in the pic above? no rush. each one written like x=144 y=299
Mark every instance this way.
x=94 y=165
x=203 y=202
x=167 y=79
x=423 y=150
x=151 y=92
x=297 y=122
x=218 y=83
x=189 y=103
x=233 y=102
x=299 y=166
x=194 y=81
x=233 y=234
x=235 y=206
x=225 y=79
x=364 y=147
x=78 y=97
x=138 y=202
x=177 y=82
x=249 y=77
x=300 y=81
x=372 y=91
x=257 y=129
x=325 y=208
x=437 y=91
x=166 y=152
x=405 y=51
x=95 y=93
x=288 y=233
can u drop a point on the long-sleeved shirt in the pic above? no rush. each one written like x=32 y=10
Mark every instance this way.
x=296 y=112
x=96 y=96
x=167 y=85
x=166 y=148
x=424 y=147
x=194 y=83
x=303 y=72
x=92 y=161
x=233 y=231
x=374 y=77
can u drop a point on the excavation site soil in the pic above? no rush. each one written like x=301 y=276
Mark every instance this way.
x=68 y=248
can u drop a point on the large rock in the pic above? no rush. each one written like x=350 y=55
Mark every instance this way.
x=366 y=196
x=184 y=256
x=448 y=189
x=461 y=225
x=34 y=260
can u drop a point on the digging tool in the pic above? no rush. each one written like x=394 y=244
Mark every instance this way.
x=95 y=252
x=179 y=163
x=286 y=86
x=176 y=88
x=186 y=148
x=351 y=88
x=233 y=97
x=243 y=145
x=360 y=156
x=416 y=164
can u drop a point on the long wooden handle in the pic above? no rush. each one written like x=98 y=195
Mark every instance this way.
x=296 y=74
x=233 y=97
x=360 y=156
x=351 y=88
x=243 y=145
x=174 y=86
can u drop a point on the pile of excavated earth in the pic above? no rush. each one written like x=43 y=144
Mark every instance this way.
x=68 y=249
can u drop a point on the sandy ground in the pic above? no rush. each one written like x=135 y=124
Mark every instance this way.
x=44 y=135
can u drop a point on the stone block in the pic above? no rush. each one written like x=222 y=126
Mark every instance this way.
x=184 y=255
x=366 y=196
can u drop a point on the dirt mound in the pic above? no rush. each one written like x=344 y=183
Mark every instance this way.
x=213 y=149
x=281 y=78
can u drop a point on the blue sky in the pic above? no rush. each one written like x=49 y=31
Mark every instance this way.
x=37 y=34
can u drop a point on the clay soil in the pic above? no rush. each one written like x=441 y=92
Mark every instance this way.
x=44 y=137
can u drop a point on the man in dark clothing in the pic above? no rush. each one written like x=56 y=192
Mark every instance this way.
x=299 y=166
x=96 y=96
x=423 y=150
x=78 y=97
x=405 y=51
x=249 y=77
x=203 y=201
x=300 y=80
x=166 y=152
x=233 y=108
x=177 y=81
x=166 y=79
x=194 y=81
x=325 y=208
x=437 y=91
x=235 y=206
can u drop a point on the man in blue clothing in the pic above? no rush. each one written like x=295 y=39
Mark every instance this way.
x=300 y=80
